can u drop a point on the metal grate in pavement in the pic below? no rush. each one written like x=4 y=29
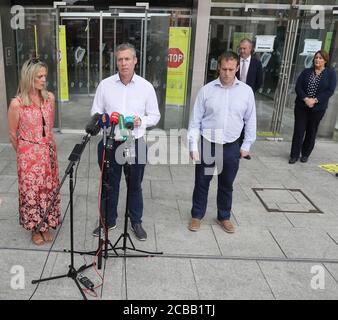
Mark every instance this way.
x=285 y=200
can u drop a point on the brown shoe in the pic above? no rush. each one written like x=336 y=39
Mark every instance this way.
x=227 y=226
x=195 y=224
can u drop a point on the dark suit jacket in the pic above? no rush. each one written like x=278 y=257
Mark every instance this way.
x=326 y=88
x=254 y=77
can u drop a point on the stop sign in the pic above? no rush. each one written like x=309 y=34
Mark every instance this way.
x=175 y=57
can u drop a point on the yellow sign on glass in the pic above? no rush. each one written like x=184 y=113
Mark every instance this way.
x=178 y=62
x=64 y=96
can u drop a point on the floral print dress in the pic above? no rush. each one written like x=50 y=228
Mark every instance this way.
x=38 y=173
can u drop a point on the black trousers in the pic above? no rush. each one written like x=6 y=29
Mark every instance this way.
x=305 y=131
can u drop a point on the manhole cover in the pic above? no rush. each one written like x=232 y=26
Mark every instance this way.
x=285 y=200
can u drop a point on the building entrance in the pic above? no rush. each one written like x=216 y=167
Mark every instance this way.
x=285 y=39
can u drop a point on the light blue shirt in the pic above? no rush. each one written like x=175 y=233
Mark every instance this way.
x=220 y=112
x=137 y=98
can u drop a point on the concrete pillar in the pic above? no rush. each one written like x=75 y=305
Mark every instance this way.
x=200 y=48
x=3 y=97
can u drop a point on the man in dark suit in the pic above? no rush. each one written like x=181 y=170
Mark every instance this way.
x=250 y=71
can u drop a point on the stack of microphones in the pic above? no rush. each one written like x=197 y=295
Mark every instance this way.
x=103 y=121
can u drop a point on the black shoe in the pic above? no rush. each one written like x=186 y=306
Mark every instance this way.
x=96 y=231
x=293 y=160
x=304 y=159
x=139 y=231
x=247 y=157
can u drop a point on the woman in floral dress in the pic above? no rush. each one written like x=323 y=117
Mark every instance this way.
x=30 y=125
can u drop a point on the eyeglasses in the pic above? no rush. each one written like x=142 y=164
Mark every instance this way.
x=33 y=61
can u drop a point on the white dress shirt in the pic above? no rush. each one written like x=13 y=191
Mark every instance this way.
x=137 y=98
x=247 y=64
x=220 y=112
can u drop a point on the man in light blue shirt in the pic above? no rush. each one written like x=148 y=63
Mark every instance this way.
x=128 y=94
x=221 y=109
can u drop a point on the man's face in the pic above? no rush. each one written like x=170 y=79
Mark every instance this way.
x=245 y=49
x=126 y=62
x=227 y=71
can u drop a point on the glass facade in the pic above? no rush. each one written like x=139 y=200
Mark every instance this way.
x=147 y=30
x=90 y=41
x=288 y=30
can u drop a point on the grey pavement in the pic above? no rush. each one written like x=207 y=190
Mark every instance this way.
x=285 y=245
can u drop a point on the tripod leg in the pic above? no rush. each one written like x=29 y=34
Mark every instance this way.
x=51 y=278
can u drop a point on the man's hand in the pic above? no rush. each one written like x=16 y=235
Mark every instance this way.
x=194 y=155
x=243 y=153
x=137 y=121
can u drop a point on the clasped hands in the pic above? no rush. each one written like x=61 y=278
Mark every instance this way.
x=310 y=102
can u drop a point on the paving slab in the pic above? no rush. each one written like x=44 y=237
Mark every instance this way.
x=247 y=242
x=308 y=243
x=6 y=182
x=162 y=278
x=157 y=172
x=29 y=264
x=180 y=240
x=230 y=280
x=313 y=220
x=292 y=281
x=257 y=216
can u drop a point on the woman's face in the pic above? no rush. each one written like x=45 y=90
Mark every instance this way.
x=40 y=78
x=319 y=61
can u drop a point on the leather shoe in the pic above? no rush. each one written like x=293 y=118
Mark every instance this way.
x=195 y=224
x=226 y=225
x=304 y=159
x=293 y=160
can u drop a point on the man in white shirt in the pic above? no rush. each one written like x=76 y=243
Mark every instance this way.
x=221 y=109
x=129 y=95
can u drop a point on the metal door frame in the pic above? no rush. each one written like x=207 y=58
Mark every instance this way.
x=280 y=98
x=142 y=16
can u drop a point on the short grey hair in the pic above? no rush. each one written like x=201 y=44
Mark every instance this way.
x=246 y=40
x=126 y=46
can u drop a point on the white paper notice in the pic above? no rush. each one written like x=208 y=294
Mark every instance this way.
x=264 y=43
x=311 y=46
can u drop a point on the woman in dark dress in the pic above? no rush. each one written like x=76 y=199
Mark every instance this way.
x=314 y=88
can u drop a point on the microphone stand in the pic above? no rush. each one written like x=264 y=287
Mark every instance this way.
x=72 y=272
x=107 y=147
x=130 y=156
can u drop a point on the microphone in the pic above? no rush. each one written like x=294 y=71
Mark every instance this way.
x=129 y=122
x=114 y=120
x=104 y=121
x=123 y=130
x=104 y=124
x=92 y=126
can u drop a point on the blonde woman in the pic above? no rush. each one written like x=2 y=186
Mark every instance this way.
x=30 y=124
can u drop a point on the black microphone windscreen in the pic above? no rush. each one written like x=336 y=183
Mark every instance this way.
x=93 y=126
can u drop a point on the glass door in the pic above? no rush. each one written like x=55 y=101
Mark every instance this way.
x=87 y=64
x=314 y=32
x=287 y=32
x=228 y=25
